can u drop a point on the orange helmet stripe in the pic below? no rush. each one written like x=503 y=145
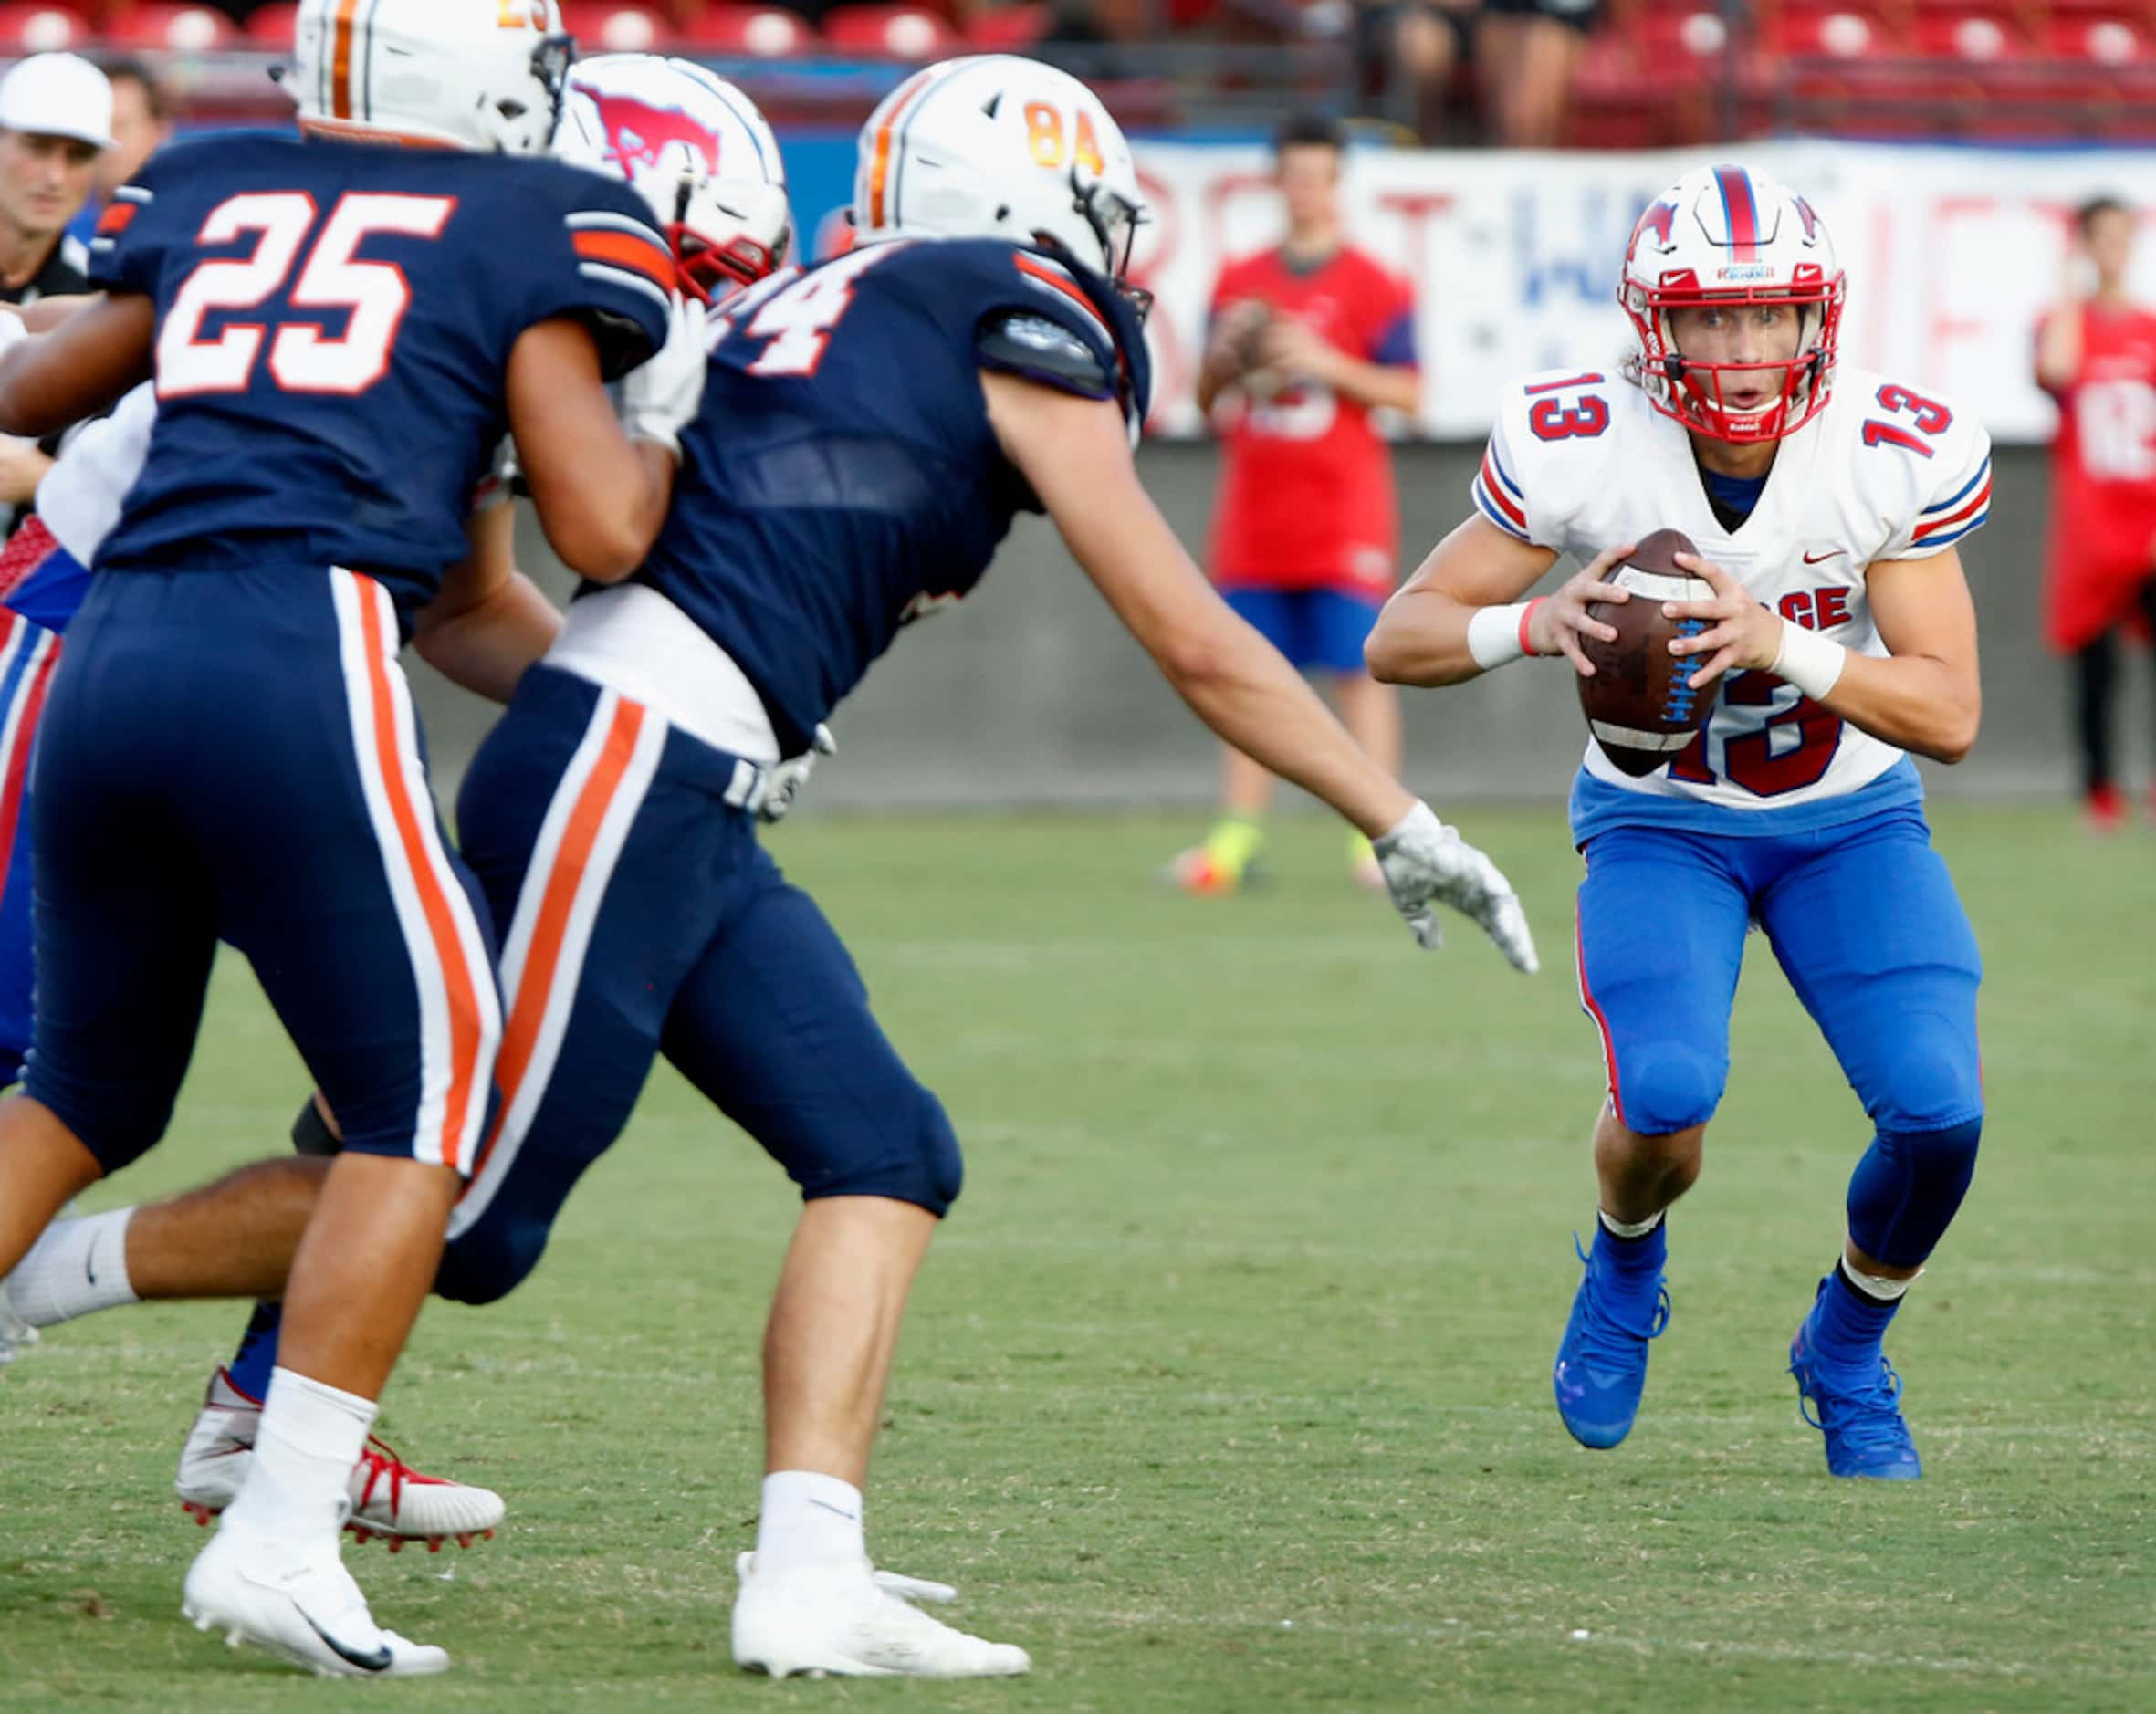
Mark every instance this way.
x=340 y=60
x=879 y=166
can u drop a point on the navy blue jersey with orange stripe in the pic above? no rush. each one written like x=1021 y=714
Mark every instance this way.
x=842 y=479
x=334 y=321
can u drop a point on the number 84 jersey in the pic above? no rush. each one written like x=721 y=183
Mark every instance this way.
x=1579 y=463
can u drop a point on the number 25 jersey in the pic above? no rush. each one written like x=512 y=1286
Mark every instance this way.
x=1582 y=463
x=334 y=321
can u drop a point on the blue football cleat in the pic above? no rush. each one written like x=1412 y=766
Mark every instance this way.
x=1858 y=1408
x=1601 y=1367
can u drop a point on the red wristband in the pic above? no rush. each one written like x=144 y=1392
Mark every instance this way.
x=1527 y=619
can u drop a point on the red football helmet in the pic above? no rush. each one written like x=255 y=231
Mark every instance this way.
x=1729 y=236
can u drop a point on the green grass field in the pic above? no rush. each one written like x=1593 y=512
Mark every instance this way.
x=1227 y=1385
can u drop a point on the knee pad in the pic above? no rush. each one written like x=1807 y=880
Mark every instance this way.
x=312 y=1135
x=1907 y=1188
x=488 y=1263
x=1669 y=1086
x=1935 y=1081
x=911 y=1154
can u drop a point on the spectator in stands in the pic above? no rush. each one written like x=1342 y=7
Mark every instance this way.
x=141 y=125
x=2096 y=355
x=1526 y=53
x=1409 y=53
x=56 y=120
x=1306 y=340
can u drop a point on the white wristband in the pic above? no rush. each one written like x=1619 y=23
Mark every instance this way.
x=1811 y=663
x=1498 y=634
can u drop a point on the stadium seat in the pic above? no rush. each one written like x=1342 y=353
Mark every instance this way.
x=888 y=32
x=1982 y=31
x=600 y=28
x=40 y=29
x=270 y=28
x=1008 y=28
x=764 y=32
x=172 y=28
x=2112 y=37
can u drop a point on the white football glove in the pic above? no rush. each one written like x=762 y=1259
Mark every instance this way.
x=1424 y=859
x=782 y=782
x=660 y=396
x=12 y=330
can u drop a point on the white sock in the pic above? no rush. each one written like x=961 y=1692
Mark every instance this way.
x=809 y=1520
x=1620 y=1229
x=74 y=1267
x=309 y=1439
x=1873 y=1286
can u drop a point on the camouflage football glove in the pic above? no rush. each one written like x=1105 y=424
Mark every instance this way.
x=660 y=396
x=782 y=782
x=1425 y=862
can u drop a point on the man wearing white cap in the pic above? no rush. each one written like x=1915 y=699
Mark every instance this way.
x=56 y=119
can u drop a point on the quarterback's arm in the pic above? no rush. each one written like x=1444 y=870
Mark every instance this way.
x=1460 y=614
x=1075 y=451
x=78 y=367
x=489 y=621
x=1924 y=697
x=601 y=496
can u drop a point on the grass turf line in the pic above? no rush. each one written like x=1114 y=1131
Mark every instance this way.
x=1227 y=1384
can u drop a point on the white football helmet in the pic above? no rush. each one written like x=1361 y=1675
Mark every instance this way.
x=698 y=149
x=999 y=146
x=1730 y=236
x=483 y=75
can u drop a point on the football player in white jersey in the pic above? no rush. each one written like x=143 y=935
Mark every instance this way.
x=1826 y=504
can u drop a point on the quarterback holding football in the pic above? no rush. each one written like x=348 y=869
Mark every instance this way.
x=1839 y=636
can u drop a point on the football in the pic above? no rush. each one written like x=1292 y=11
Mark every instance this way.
x=1638 y=705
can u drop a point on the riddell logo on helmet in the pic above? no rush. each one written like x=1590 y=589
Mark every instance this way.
x=637 y=134
x=1745 y=272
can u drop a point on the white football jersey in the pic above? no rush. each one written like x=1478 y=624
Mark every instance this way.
x=80 y=496
x=1581 y=462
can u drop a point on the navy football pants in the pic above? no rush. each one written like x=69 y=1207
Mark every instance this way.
x=234 y=755
x=640 y=915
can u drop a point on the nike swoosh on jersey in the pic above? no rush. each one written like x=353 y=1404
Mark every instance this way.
x=1832 y=553
x=379 y=1660
x=89 y=1264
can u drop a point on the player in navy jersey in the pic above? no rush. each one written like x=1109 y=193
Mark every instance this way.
x=340 y=335
x=704 y=159
x=609 y=818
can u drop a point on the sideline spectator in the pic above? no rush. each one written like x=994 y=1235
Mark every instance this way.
x=1306 y=340
x=56 y=119
x=2096 y=354
x=1527 y=52
x=1409 y=53
x=141 y=125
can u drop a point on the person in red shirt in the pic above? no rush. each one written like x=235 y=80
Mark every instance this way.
x=1306 y=340
x=2096 y=354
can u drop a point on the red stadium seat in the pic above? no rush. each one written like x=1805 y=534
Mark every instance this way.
x=765 y=31
x=1007 y=28
x=600 y=28
x=41 y=29
x=888 y=32
x=1852 y=31
x=2112 y=39
x=1981 y=33
x=271 y=26
x=179 y=29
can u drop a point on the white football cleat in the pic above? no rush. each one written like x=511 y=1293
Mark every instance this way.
x=301 y=1606
x=389 y=1499
x=856 y=1622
